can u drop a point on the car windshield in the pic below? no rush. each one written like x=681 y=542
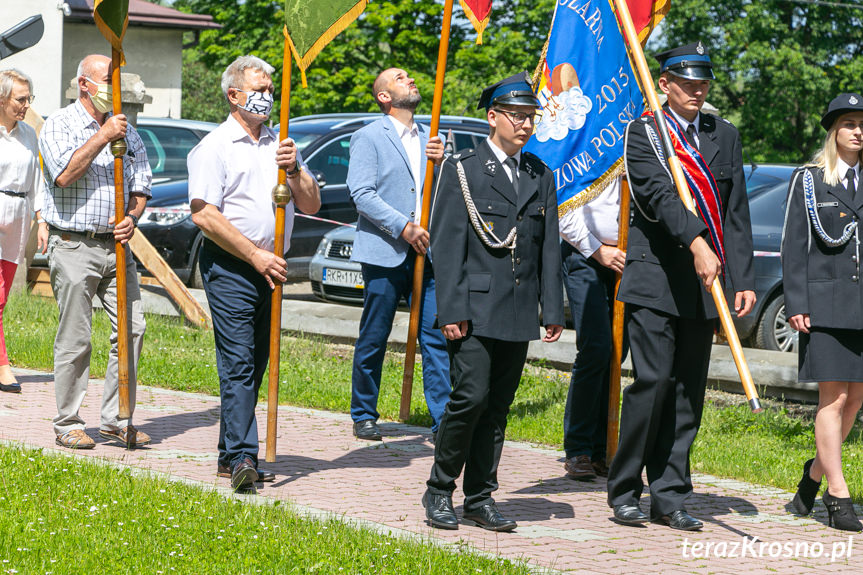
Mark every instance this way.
x=303 y=138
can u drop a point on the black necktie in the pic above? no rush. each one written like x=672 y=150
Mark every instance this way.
x=852 y=189
x=690 y=135
x=513 y=168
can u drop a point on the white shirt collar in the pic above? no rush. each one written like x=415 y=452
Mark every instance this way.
x=842 y=169
x=401 y=129
x=684 y=123
x=500 y=154
x=237 y=132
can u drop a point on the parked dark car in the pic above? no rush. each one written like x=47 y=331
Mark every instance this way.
x=766 y=327
x=324 y=141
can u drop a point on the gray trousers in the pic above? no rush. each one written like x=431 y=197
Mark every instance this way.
x=82 y=268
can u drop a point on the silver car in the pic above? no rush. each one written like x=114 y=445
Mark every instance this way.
x=333 y=276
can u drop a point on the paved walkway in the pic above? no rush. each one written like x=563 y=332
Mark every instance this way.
x=564 y=525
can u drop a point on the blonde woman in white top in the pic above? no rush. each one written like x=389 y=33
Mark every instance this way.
x=20 y=182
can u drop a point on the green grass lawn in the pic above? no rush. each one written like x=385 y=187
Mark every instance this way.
x=767 y=448
x=67 y=515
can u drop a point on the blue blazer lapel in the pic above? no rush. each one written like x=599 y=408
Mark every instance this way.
x=390 y=132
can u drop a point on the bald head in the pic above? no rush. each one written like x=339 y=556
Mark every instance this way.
x=97 y=67
x=382 y=83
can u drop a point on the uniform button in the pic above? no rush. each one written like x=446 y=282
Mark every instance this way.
x=517 y=260
x=853 y=258
x=413 y=190
x=517 y=281
x=489 y=207
x=643 y=256
x=518 y=218
x=412 y=214
x=853 y=278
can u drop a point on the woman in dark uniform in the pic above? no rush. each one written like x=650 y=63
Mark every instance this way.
x=824 y=298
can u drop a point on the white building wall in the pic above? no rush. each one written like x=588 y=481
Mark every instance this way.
x=42 y=62
x=155 y=54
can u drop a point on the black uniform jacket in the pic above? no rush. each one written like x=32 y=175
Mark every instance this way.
x=498 y=293
x=820 y=280
x=659 y=272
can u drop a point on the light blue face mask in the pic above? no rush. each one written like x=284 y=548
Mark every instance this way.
x=260 y=103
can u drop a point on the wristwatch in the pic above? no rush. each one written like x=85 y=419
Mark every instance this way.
x=295 y=171
x=134 y=218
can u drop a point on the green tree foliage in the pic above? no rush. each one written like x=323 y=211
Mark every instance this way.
x=778 y=64
x=402 y=33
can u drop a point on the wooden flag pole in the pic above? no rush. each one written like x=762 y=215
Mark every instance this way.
x=683 y=191
x=281 y=197
x=118 y=149
x=617 y=333
x=419 y=266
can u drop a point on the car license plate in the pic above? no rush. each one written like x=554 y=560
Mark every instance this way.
x=343 y=278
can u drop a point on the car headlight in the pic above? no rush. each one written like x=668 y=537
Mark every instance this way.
x=322 y=247
x=166 y=216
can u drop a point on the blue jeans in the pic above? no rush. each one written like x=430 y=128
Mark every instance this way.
x=384 y=288
x=240 y=304
x=590 y=289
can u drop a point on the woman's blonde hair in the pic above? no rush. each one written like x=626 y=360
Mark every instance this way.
x=8 y=78
x=826 y=158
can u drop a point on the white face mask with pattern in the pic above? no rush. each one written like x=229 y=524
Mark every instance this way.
x=259 y=103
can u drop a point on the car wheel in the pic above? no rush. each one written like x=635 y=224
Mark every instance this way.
x=195 y=280
x=774 y=332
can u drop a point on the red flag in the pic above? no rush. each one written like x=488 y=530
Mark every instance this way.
x=477 y=12
x=646 y=14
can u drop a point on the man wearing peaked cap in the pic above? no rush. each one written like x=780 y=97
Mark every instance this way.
x=494 y=234
x=672 y=259
x=513 y=91
x=691 y=62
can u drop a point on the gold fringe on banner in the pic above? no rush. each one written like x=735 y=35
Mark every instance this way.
x=591 y=192
x=338 y=26
x=478 y=24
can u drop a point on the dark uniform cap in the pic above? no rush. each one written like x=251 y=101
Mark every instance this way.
x=514 y=91
x=690 y=62
x=841 y=104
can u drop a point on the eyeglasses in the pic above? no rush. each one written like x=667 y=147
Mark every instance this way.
x=25 y=99
x=519 y=118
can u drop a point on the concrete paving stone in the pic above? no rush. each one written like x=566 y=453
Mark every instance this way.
x=564 y=525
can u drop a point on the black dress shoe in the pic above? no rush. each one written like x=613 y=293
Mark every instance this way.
x=10 y=387
x=244 y=474
x=439 y=510
x=807 y=489
x=263 y=475
x=629 y=515
x=681 y=520
x=367 y=429
x=488 y=517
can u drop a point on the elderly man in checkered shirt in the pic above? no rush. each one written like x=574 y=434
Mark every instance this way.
x=80 y=232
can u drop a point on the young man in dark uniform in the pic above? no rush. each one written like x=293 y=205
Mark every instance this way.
x=494 y=237
x=672 y=259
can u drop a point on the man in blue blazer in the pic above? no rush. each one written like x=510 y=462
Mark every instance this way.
x=385 y=178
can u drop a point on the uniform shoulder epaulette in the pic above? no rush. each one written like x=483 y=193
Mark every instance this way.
x=462 y=154
x=533 y=158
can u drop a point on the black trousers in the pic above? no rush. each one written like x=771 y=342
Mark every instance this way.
x=485 y=373
x=661 y=410
x=240 y=303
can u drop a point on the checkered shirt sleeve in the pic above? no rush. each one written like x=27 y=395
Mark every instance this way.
x=87 y=204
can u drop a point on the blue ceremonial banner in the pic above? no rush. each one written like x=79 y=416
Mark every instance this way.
x=589 y=93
